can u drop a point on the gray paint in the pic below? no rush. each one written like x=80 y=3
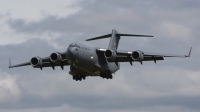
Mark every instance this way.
x=86 y=61
x=95 y=18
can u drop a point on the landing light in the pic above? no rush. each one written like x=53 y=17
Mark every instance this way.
x=91 y=57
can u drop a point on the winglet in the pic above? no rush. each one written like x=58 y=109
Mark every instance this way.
x=189 y=53
x=9 y=63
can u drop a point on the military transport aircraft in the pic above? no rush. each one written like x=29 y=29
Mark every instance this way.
x=93 y=61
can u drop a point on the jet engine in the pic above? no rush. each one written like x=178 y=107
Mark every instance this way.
x=137 y=56
x=36 y=62
x=55 y=58
x=110 y=55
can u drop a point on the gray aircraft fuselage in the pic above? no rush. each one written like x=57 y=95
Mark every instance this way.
x=84 y=59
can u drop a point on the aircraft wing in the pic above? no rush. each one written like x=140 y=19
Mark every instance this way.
x=55 y=59
x=126 y=56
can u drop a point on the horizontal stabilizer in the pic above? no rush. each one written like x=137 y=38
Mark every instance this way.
x=109 y=35
x=100 y=37
x=134 y=35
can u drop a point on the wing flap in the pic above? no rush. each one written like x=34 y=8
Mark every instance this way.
x=19 y=65
x=49 y=64
x=163 y=55
x=127 y=59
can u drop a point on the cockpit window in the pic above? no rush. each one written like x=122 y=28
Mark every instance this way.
x=74 y=45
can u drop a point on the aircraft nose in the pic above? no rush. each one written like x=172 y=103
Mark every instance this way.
x=71 y=52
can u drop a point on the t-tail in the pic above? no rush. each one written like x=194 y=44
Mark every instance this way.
x=115 y=37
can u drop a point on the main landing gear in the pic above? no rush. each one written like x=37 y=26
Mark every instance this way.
x=78 y=77
x=106 y=75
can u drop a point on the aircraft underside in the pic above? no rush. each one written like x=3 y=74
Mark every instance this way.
x=87 y=61
x=80 y=73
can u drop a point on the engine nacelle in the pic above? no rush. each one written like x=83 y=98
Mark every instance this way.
x=55 y=58
x=36 y=62
x=137 y=56
x=110 y=55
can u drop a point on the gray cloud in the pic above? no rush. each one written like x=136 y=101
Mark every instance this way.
x=170 y=83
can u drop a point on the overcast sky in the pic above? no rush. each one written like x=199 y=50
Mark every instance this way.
x=31 y=28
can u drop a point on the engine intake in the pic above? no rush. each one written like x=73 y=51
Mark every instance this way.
x=137 y=56
x=55 y=58
x=110 y=55
x=36 y=62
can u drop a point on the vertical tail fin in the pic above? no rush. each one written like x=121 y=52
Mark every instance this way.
x=114 y=41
